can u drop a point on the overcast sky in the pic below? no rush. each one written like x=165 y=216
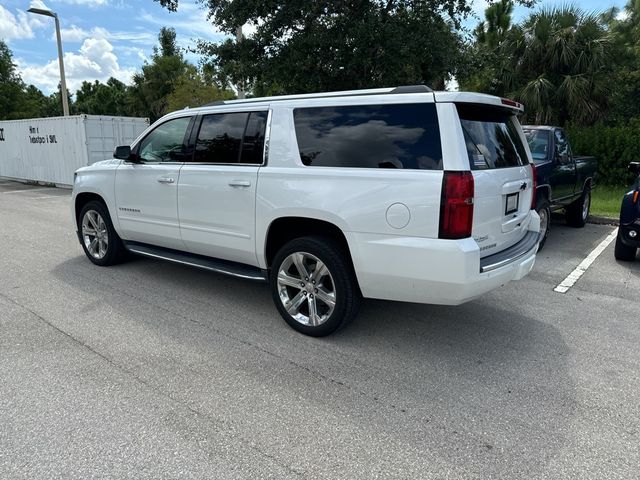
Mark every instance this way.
x=112 y=38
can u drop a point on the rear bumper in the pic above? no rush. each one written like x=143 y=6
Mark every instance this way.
x=445 y=272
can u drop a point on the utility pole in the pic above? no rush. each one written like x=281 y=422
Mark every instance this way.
x=239 y=37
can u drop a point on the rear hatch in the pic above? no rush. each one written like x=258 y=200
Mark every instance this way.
x=503 y=178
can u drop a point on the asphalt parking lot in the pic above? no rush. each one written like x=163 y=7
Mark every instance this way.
x=155 y=370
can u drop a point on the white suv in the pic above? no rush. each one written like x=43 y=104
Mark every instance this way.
x=400 y=194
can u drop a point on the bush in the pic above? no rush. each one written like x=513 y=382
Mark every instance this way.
x=614 y=147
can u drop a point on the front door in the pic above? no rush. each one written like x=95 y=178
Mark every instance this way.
x=563 y=176
x=146 y=191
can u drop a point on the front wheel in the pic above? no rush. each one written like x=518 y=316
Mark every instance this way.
x=99 y=239
x=313 y=285
x=578 y=212
x=624 y=252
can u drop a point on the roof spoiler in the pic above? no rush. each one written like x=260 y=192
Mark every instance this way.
x=513 y=104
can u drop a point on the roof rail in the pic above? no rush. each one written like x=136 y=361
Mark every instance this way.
x=412 y=89
x=347 y=93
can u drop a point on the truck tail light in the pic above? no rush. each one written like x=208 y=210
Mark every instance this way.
x=456 y=206
x=534 y=192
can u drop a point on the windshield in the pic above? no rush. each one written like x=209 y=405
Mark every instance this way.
x=538 y=141
x=492 y=137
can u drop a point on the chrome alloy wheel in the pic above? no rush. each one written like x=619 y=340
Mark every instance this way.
x=94 y=234
x=306 y=289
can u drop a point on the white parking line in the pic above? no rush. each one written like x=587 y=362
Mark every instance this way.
x=27 y=190
x=573 y=277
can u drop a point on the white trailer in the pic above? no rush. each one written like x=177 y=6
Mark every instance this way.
x=49 y=150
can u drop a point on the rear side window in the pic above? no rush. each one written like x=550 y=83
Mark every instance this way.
x=563 y=153
x=539 y=143
x=370 y=136
x=220 y=137
x=231 y=138
x=253 y=141
x=491 y=136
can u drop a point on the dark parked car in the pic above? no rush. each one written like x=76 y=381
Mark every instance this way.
x=564 y=180
x=628 y=240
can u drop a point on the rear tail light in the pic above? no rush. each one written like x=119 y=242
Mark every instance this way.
x=456 y=207
x=635 y=196
x=534 y=192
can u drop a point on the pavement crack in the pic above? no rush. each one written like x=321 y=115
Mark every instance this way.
x=310 y=371
x=150 y=386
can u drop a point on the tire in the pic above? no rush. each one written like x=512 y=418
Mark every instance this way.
x=578 y=212
x=333 y=295
x=624 y=252
x=103 y=249
x=544 y=210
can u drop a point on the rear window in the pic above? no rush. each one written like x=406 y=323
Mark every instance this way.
x=370 y=136
x=539 y=142
x=491 y=136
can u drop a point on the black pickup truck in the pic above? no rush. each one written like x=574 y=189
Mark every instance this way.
x=564 y=180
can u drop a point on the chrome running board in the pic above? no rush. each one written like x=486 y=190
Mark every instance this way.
x=226 y=267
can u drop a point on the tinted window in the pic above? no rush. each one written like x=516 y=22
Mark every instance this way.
x=253 y=141
x=539 y=141
x=491 y=136
x=220 y=138
x=369 y=136
x=166 y=143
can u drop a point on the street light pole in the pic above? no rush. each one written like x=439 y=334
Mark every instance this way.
x=63 y=82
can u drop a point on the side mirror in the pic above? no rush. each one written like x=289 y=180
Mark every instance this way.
x=634 y=167
x=123 y=152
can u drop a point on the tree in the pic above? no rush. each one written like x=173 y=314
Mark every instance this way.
x=557 y=63
x=11 y=85
x=152 y=87
x=112 y=98
x=192 y=89
x=496 y=25
x=625 y=98
x=309 y=45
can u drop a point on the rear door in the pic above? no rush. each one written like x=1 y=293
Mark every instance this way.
x=499 y=159
x=217 y=190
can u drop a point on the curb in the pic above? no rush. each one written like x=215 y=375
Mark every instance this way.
x=603 y=220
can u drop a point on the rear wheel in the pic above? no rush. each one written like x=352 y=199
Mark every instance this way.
x=313 y=285
x=578 y=212
x=624 y=252
x=100 y=242
x=544 y=211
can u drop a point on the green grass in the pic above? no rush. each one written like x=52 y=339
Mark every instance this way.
x=605 y=200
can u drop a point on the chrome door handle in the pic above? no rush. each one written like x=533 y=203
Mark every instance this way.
x=166 y=180
x=239 y=183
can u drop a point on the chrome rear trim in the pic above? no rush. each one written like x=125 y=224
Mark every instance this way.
x=522 y=248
